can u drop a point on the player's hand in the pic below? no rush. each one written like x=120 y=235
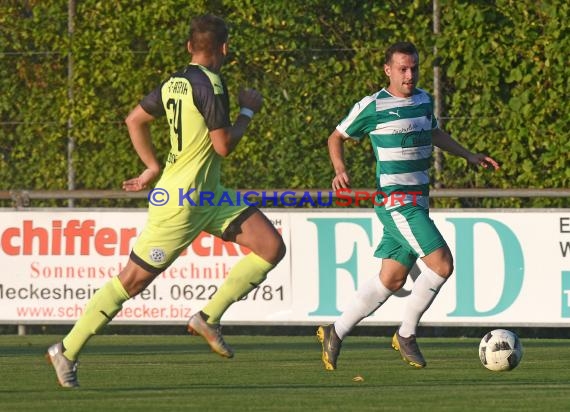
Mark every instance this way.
x=251 y=99
x=478 y=159
x=141 y=182
x=341 y=181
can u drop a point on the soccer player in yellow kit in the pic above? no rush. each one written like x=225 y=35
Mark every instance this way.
x=196 y=105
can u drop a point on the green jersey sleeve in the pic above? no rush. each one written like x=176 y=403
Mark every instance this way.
x=361 y=119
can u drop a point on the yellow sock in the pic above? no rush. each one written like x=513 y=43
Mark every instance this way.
x=243 y=277
x=99 y=311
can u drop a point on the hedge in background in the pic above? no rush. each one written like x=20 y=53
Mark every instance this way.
x=505 y=82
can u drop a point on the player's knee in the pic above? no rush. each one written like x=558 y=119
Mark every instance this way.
x=135 y=279
x=449 y=266
x=441 y=262
x=272 y=249
x=445 y=267
x=394 y=283
x=278 y=252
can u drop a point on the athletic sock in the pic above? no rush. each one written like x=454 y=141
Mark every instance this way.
x=369 y=297
x=99 y=311
x=424 y=291
x=247 y=274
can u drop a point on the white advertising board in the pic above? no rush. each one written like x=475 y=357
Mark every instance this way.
x=511 y=268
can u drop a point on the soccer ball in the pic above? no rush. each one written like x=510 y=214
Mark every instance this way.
x=500 y=350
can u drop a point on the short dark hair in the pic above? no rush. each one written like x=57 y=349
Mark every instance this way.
x=207 y=33
x=404 y=47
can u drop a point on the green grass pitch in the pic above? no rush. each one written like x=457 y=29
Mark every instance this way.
x=280 y=373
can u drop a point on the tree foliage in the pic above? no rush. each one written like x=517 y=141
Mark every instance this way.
x=504 y=84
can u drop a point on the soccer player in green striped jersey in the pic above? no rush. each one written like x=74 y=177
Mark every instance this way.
x=400 y=122
x=195 y=103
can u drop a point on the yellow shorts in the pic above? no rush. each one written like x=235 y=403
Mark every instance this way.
x=169 y=230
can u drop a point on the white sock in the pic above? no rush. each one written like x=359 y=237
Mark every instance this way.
x=424 y=291
x=369 y=297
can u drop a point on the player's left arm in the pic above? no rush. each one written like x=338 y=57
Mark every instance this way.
x=138 y=123
x=445 y=142
x=225 y=140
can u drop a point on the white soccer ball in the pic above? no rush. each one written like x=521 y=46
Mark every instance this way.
x=500 y=350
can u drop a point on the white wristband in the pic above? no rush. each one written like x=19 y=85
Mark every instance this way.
x=246 y=112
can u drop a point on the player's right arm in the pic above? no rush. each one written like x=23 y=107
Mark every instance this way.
x=138 y=123
x=360 y=120
x=225 y=140
x=336 y=154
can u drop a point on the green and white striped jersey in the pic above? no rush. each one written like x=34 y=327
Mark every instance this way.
x=400 y=130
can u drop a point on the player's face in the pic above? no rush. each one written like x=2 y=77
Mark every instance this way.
x=403 y=72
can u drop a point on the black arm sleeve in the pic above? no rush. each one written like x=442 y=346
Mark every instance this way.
x=214 y=107
x=152 y=103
